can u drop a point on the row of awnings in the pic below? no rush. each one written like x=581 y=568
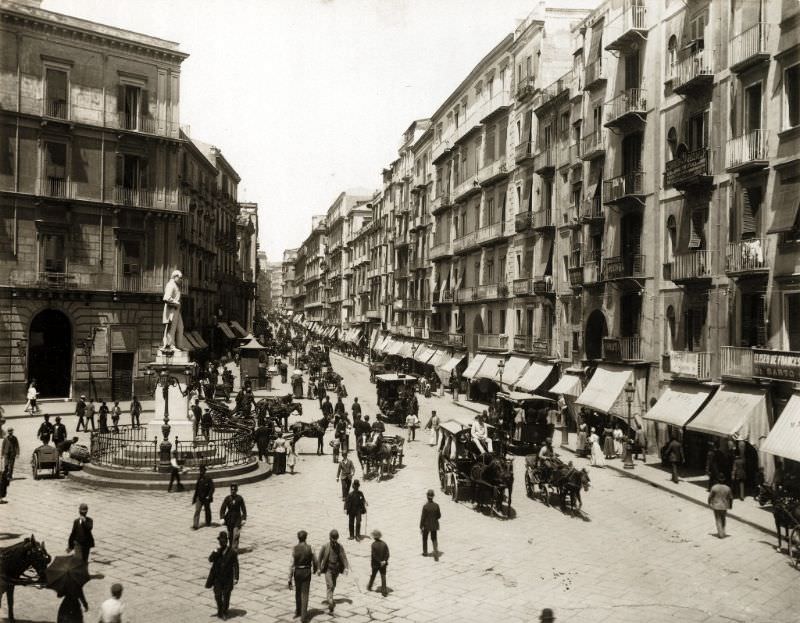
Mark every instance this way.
x=195 y=340
x=516 y=372
x=232 y=330
x=353 y=336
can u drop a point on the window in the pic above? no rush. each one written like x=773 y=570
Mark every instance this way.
x=672 y=57
x=489 y=272
x=53 y=253
x=502 y=329
x=752 y=108
x=597 y=119
x=131 y=257
x=56 y=92
x=672 y=238
x=697 y=131
x=669 y=337
x=672 y=142
x=791 y=320
x=490 y=210
x=55 y=173
x=791 y=96
x=489 y=321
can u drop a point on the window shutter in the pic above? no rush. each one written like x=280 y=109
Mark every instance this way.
x=596 y=42
x=761 y=317
x=145 y=102
x=697 y=236
x=121 y=98
x=748 y=214
x=120 y=170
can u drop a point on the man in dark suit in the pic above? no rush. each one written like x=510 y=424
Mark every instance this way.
x=80 y=411
x=224 y=574
x=303 y=562
x=673 y=454
x=379 y=561
x=59 y=432
x=429 y=524
x=355 y=505
x=202 y=498
x=45 y=431
x=332 y=562
x=81 y=539
x=234 y=513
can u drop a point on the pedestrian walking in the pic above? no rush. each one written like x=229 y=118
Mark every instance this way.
x=712 y=465
x=322 y=393
x=81 y=539
x=433 y=426
x=32 y=396
x=279 y=456
x=202 y=497
x=355 y=505
x=355 y=408
x=224 y=574
x=102 y=418
x=327 y=408
x=197 y=416
x=175 y=470
x=116 y=411
x=640 y=443
x=206 y=422
x=45 y=432
x=345 y=474
x=379 y=560
x=596 y=457
x=412 y=421
x=112 y=609
x=136 y=411
x=738 y=475
x=80 y=411
x=429 y=524
x=332 y=562
x=291 y=458
x=673 y=454
x=90 y=411
x=303 y=563
x=5 y=481
x=233 y=512
x=10 y=452
x=72 y=607
x=720 y=499
x=262 y=436
x=59 y=432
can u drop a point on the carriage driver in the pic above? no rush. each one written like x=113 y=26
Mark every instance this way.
x=480 y=435
x=546 y=451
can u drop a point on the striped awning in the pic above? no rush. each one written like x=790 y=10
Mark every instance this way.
x=373 y=339
x=678 y=404
x=534 y=376
x=735 y=411
x=568 y=385
x=238 y=328
x=514 y=369
x=189 y=341
x=198 y=339
x=474 y=366
x=490 y=368
x=784 y=438
x=226 y=330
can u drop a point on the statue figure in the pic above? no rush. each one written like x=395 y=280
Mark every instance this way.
x=171 y=319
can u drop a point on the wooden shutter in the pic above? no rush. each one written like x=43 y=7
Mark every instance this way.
x=751 y=201
x=597 y=41
x=697 y=236
x=144 y=103
x=121 y=98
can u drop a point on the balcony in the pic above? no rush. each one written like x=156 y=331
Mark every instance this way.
x=448 y=296
x=630 y=266
x=748 y=152
x=575 y=267
x=749 y=48
x=692 y=365
x=418 y=263
x=628 y=107
x=455 y=339
x=564 y=156
x=523 y=152
x=441 y=250
x=747 y=257
x=95 y=282
x=136 y=123
x=56 y=109
x=525 y=88
x=592 y=272
x=467 y=188
x=544 y=162
x=694 y=73
x=593 y=145
x=629 y=29
x=491 y=233
x=490 y=292
x=57 y=187
x=595 y=74
x=523 y=222
x=373 y=314
x=575 y=153
x=690 y=267
x=440 y=202
x=465 y=243
x=136 y=197
x=622 y=349
x=542 y=220
x=538 y=346
x=629 y=186
x=492 y=172
x=492 y=341
x=736 y=362
x=437 y=337
x=689 y=169
x=533 y=286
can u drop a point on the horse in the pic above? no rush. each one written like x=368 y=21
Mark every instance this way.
x=492 y=477
x=785 y=509
x=375 y=453
x=568 y=481
x=15 y=561
x=315 y=430
x=540 y=472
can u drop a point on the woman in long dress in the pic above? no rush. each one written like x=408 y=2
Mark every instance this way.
x=608 y=441
x=596 y=459
x=617 y=440
x=580 y=447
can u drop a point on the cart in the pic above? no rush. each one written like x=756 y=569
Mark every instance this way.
x=45 y=457
x=394 y=393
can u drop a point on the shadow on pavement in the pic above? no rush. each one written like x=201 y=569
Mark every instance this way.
x=236 y=612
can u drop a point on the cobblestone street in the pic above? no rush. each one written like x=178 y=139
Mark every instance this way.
x=636 y=554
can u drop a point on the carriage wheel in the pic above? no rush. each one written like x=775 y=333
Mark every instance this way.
x=794 y=546
x=57 y=467
x=443 y=480
x=35 y=467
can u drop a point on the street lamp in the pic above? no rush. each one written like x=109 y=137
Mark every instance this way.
x=630 y=390
x=500 y=367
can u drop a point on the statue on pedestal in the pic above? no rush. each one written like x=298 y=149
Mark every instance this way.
x=172 y=319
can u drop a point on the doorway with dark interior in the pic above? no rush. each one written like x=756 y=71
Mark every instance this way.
x=50 y=353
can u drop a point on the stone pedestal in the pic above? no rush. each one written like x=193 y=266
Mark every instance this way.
x=173 y=364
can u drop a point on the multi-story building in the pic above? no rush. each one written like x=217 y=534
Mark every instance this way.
x=90 y=204
x=298 y=295
x=287 y=279
x=316 y=300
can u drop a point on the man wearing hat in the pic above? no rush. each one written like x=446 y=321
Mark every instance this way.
x=547 y=616
x=332 y=562
x=379 y=561
x=224 y=574
x=355 y=505
x=429 y=524
x=80 y=411
x=303 y=561
x=10 y=452
x=81 y=539
x=59 y=432
x=45 y=430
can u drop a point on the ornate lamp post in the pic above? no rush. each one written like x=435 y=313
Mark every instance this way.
x=500 y=367
x=160 y=378
x=630 y=390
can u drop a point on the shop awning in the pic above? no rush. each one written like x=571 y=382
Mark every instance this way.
x=373 y=339
x=355 y=338
x=535 y=375
x=428 y=354
x=735 y=411
x=490 y=368
x=198 y=339
x=514 y=369
x=678 y=404
x=604 y=388
x=568 y=385
x=406 y=349
x=238 y=328
x=474 y=366
x=523 y=396
x=451 y=363
x=383 y=344
x=439 y=358
x=189 y=341
x=226 y=330
x=784 y=438
x=395 y=347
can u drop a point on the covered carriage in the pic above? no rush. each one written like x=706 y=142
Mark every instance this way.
x=394 y=393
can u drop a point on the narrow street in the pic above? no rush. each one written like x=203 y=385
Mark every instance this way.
x=635 y=554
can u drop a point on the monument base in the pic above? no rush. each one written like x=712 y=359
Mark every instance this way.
x=176 y=371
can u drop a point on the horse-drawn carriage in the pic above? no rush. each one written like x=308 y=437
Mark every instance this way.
x=785 y=503
x=385 y=453
x=332 y=380
x=552 y=475
x=486 y=479
x=526 y=436
x=379 y=367
x=45 y=457
x=395 y=392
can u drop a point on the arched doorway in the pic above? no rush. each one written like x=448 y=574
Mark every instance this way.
x=596 y=330
x=50 y=353
x=477 y=329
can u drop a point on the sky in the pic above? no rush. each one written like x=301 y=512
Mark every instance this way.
x=307 y=98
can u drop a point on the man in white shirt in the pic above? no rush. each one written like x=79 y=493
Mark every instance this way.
x=480 y=435
x=112 y=609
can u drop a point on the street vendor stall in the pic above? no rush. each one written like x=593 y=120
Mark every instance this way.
x=249 y=355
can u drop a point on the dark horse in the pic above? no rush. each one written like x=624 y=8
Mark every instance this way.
x=569 y=481
x=15 y=561
x=492 y=477
x=785 y=510
x=316 y=430
x=375 y=454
